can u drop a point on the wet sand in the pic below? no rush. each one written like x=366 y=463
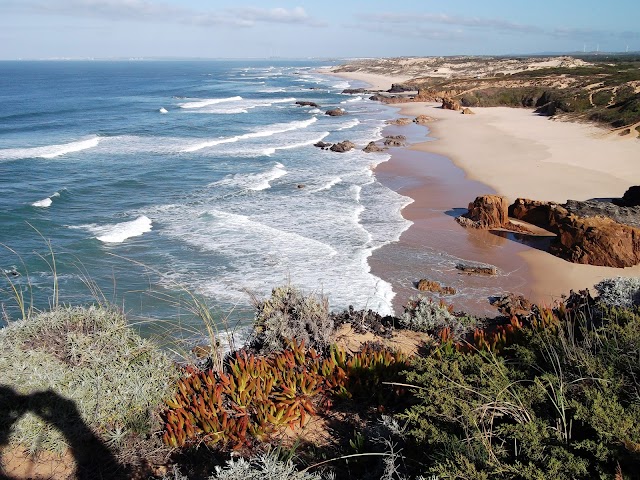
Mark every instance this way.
x=508 y=151
x=435 y=243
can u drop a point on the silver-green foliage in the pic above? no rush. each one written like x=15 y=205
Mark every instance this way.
x=91 y=357
x=290 y=314
x=619 y=292
x=421 y=314
x=264 y=467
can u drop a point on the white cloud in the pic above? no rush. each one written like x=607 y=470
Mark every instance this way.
x=145 y=10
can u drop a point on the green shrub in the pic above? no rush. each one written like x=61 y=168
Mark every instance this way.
x=289 y=314
x=88 y=356
x=563 y=403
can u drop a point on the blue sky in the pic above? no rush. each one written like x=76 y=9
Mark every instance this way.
x=327 y=28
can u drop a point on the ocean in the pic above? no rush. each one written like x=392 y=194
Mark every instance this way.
x=149 y=181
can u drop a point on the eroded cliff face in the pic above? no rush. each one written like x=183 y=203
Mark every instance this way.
x=594 y=233
x=594 y=240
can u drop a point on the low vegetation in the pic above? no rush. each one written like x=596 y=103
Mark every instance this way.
x=544 y=393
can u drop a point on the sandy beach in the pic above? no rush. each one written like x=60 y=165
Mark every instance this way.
x=516 y=153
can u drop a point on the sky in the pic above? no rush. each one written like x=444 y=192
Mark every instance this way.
x=44 y=29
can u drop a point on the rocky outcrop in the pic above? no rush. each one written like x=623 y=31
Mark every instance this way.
x=467 y=111
x=400 y=88
x=450 y=104
x=425 y=285
x=372 y=147
x=481 y=268
x=486 y=211
x=395 y=140
x=423 y=119
x=342 y=147
x=355 y=91
x=631 y=197
x=322 y=145
x=593 y=240
x=336 y=112
x=399 y=121
x=304 y=103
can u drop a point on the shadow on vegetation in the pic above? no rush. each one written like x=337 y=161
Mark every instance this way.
x=92 y=457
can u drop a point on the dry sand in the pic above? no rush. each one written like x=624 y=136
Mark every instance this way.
x=520 y=154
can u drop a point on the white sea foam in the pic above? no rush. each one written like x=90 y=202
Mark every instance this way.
x=314 y=111
x=163 y=110
x=342 y=85
x=272 y=90
x=119 y=232
x=45 y=202
x=352 y=100
x=303 y=143
x=243 y=106
x=253 y=181
x=327 y=186
x=49 y=151
x=264 y=132
x=349 y=124
x=209 y=101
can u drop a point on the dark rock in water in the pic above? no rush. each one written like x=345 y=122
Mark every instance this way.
x=395 y=140
x=372 y=147
x=631 y=197
x=425 y=285
x=342 y=147
x=482 y=268
x=304 y=103
x=322 y=144
x=336 y=112
x=300 y=185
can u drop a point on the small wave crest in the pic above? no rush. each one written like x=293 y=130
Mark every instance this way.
x=264 y=132
x=163 y=110
x=49 y=151
x=209 y=101
x=253 y=181
x=119 y=232
x=45 y=202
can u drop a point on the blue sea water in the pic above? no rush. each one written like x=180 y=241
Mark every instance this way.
x=150 y=179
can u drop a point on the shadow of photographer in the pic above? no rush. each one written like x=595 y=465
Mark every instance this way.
x=93 y=459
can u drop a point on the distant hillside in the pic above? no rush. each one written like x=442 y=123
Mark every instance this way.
x=600 y=88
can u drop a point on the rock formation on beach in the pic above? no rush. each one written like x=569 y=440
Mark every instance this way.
x=372 y=147
x=589 y=239
x=423 y=119
x=395 y=140
x=467 y=111
x=486 y=211
x=425 y=285
x=450 y=104
x=399 y=121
